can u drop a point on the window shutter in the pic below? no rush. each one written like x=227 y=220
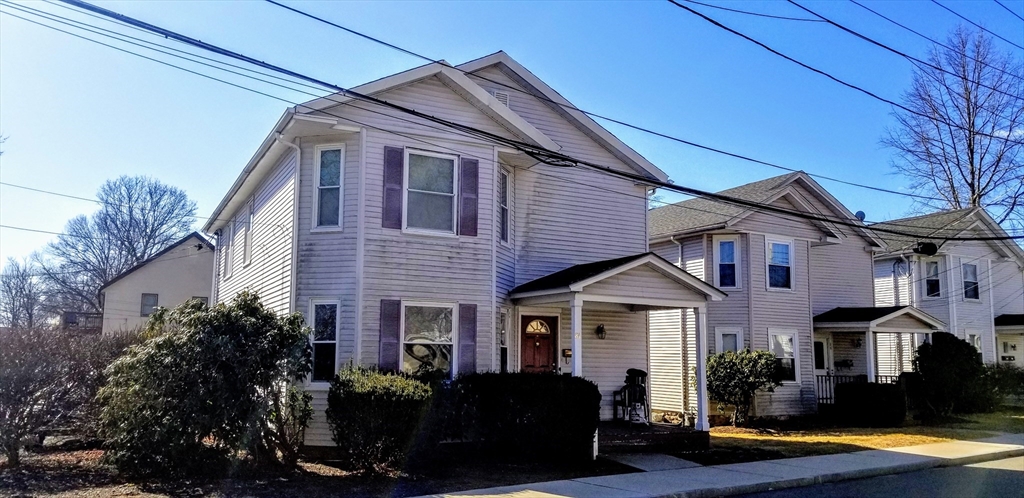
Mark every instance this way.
x=394 y=173
x=390 y=322
x=468 y=197
x=467 y=338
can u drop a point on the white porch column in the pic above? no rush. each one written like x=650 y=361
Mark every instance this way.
x=576 y=325
x=701 y=424
x=869 y=345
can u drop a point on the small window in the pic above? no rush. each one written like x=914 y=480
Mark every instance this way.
x=427 y=338
x=503 y=197
x=970 y=273
x=727 y=274
x=228 y=243
x=503 y=339
x=324 y=340
x=728 y=339
x=783 y=345
x=780 y=271
x=149 y=303
x=932 y=283
x=329 y=172
x=430 y=192
x=247 y=234
x=203 y=299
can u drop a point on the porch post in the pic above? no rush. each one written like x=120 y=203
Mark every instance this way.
x=701 y=424
x=576 y=324
x=869 y=345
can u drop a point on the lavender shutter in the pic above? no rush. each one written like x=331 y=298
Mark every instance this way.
x=469 y=183
x=394 y=174
x=390 y=322
x=467 y=338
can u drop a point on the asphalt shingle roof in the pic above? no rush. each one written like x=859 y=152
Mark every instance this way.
x=573 y=274
x=947 y=223
x=847 y=315
x=1009 y=320
x=695 y=214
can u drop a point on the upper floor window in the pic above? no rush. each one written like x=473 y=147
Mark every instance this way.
x=780 y=269
x=247 y=234
x=932 y=283
x=430 y=192
x=149 y=304
x=970 y=273
x=503 y=197
x=324 y=340
x=329 y=172
x=427 y=338
x=727 y=259
x=228 y=243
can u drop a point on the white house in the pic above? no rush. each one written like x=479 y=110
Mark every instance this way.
x=976 y=287
x=182 y=271
x=408 y=244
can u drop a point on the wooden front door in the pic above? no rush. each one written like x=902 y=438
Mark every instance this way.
x=537 y=343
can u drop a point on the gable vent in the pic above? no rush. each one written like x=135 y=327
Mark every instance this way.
x=501 y=96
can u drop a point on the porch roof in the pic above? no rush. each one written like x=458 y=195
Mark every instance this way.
x=890 y=319
x=1010 y=320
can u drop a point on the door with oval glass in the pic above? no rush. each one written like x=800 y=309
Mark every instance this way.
x=538 y=343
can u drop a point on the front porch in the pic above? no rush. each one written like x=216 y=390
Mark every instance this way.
x=1010 y=339
x=866 y=345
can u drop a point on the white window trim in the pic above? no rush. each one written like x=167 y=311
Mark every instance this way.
x=507 y=241
x=313 y=302
x=924 y=281
x=455 y=331
x=737 y=260
x=796 y=351
x=228 y=253
x=720 y=331
x=247 y=238
x=963 y=282
x=316 y=189
x=142 y=306
x=768 y=241
x=455 y=195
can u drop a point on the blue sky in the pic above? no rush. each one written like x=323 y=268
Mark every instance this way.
x=76 y=113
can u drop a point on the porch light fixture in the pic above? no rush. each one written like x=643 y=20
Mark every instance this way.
x=601 y=334
x=856 y=343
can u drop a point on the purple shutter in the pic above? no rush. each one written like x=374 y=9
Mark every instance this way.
x=394 y=173
x=469 y=183
x=467 y=338
x=390 y=322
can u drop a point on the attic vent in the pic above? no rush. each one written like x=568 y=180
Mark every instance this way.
x=501 y=96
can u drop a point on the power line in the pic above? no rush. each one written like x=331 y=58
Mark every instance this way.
x=976 y=25
x=1009 y=10
x=758 y=14
x=836 y=79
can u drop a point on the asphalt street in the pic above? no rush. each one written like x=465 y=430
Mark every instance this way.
x=997 y=479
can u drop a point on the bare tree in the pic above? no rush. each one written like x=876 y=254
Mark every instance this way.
x=138 y=217
x=21 y=294
x=968 y=151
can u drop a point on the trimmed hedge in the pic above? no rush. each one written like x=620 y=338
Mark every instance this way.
x=374 y=416
x=871 y=405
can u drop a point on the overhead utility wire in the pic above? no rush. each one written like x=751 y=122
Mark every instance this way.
x=599 y=116
x=836 y=79
x=538 y=153
x=976 y=25
x=900 y=53
x=1018 y=16
x=758 y=14
x=933 y=40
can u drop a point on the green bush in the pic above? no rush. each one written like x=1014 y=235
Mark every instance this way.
x=210 y=385
x=952 y=378
x=374 y=417
x=734 y=377
x=1008 y=380
x=861 y=404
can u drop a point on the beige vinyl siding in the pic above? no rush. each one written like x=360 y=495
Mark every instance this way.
x=895 y=352
x=668 y=250
x=974 y=316
x=886 y=284
x=269 y=270
x=1007 y=287
x=734 y=310
x=505 y=251
x=840 y=275
x=667 y=360
x=844 y=347
x=643 y=282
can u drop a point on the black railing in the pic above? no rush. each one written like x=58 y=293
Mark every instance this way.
x=826 y=385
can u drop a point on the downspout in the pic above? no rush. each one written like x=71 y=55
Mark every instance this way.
x=292 y=298
x=679 y=260
x=214 y=283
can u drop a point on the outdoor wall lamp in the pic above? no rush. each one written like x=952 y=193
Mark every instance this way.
x=601 y=334
x=856 y=343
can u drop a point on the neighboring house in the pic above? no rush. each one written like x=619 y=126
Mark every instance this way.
x=81 y=322
x=799 y=288
x=409 y=245
x=976 y=287
x=182 y=271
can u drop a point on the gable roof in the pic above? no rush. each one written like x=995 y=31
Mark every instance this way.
x=949 y=223
x=873 y=315
x=700 y=215
x=193 y=235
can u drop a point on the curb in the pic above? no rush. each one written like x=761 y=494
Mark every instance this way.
x=846 y=476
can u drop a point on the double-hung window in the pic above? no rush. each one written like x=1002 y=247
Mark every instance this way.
x=324 y=340
x=430 y=193
x=149 y=304
x=932 y=282
x=727 y=259
x=247 y=238
x=427 y=338
x=780 y=264
x=228 y=243
x=503 y=198
x=783 y=345
x=330 y=171
x=728 y=339
x=970 y=274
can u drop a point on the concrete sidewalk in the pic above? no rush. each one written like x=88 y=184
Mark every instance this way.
x=740 y=478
